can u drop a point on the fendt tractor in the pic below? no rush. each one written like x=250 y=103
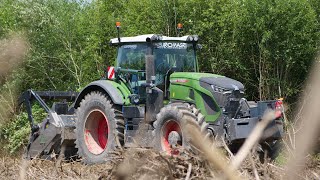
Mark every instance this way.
x=154 y=88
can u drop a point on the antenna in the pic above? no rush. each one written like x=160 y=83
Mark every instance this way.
x=118 y=25
x=179 y=28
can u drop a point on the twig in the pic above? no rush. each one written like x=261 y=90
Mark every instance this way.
x=189 y=171
x=255 y=171
x=289 y=150
x=290 y=138
x=316 y=175
x=227 y=148
x=277 y=167
x=149 y=169
x=169 y=164
x=23 y=169
x=211 y=153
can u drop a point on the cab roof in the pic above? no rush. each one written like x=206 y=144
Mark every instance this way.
x=153 y=37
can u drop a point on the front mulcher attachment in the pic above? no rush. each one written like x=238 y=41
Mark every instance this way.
x=54 y=136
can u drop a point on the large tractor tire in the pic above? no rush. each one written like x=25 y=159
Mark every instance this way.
x=99 y=129
x=169 y=132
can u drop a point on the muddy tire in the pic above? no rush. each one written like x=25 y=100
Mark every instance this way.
x=99 y=128
x=271 y=149
x=169 y=127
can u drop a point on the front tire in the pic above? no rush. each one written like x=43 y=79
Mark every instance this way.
x=169 y=127
x=99 y=129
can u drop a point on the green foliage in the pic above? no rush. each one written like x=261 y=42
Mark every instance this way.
x=8 y=18
x=61 y=50
x=278 y=40
x=263 y=44
x=281 y=159
x=16 y=132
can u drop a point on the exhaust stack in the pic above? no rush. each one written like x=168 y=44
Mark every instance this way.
x=154 y=95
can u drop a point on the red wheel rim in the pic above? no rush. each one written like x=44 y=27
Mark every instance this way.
x=169 y=127
x=96 y=132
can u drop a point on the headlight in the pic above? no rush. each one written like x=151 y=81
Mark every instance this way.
x=195 y=38
x=217 y=88
x=189 y=38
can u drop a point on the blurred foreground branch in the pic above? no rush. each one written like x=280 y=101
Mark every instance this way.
x=253 y=138
x=310 y=122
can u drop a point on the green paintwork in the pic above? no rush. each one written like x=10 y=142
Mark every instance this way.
x=122 y=89
x=191 y=75
x=187 y=82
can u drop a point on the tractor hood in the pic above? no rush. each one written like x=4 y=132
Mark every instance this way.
x=223 y=82
x=218 y=81
x=221 y=89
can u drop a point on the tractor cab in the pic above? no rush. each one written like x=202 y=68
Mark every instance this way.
x=170 y=54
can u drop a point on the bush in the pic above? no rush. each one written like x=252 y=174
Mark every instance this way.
x=16 y=131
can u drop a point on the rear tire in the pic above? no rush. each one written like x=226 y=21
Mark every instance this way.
x=99 y=129
x=170 y=123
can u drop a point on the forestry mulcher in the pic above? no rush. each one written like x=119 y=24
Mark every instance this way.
x=154 y=88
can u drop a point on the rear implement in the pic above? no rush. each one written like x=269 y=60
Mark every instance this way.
x=55 y=134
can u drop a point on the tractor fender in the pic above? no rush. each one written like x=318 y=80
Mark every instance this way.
x=102 y=86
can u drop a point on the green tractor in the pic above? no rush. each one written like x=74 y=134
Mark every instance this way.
x=154 y=88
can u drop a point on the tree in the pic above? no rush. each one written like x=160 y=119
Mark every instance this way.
x=277 y=40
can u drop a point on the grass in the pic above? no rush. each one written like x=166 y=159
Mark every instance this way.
x=281 y=160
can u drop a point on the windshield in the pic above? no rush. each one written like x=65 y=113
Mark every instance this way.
x=167 y=55
x=180 y=56
x=132 y=56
